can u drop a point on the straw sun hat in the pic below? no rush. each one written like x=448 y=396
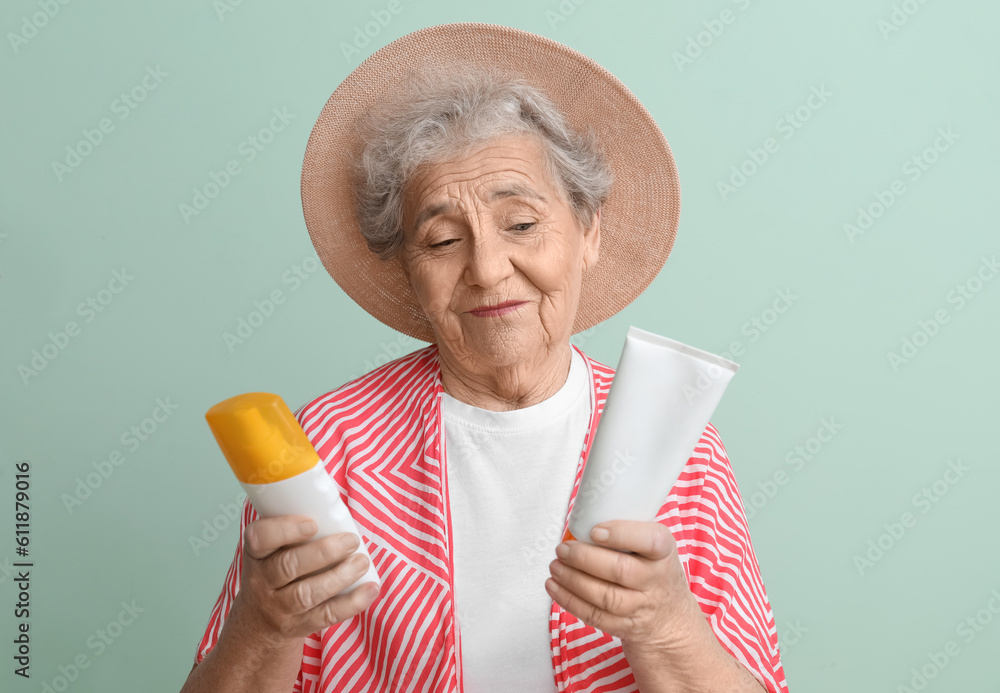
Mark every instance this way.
x=638 y=221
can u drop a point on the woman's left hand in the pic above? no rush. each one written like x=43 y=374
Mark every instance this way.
x=643 y=599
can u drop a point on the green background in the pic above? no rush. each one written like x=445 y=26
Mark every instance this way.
x=856 y=297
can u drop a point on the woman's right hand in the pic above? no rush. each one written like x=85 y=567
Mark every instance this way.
x=288 y=588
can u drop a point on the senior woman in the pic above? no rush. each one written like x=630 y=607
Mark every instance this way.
x=483 y=220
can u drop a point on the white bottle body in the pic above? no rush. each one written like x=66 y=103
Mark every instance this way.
x=313 y=494
x=660 y=402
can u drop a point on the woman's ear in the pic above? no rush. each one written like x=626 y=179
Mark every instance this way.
x=592 y=241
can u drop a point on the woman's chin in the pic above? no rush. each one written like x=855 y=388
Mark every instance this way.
x=500 y=344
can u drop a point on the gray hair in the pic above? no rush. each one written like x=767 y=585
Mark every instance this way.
x=448 y=113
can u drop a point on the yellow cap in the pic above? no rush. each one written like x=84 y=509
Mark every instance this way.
x=261 y=439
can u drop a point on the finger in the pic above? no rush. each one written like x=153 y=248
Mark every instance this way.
x=307 y=593
x=264 y=536
x=608 y=596
x=587 y=612
x=343 y=607
x=295 y=562
x=650 y=540
x=625 y=569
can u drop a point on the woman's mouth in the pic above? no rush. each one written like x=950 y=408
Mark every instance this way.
x=498 y=309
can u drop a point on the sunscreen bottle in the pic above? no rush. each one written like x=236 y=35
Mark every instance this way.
x=278 y=467
x=659 y=404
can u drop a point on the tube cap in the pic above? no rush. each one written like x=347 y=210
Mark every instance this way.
x=260 y=438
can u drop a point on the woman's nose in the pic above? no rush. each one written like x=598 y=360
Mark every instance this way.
x=488 y=261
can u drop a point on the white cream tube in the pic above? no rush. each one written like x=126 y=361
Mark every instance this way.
x=659 y=404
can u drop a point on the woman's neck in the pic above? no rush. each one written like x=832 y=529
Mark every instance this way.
x=504 y=388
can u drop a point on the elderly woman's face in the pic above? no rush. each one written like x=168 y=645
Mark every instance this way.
x=494 y=253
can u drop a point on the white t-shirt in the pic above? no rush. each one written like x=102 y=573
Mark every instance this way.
x=510 y=476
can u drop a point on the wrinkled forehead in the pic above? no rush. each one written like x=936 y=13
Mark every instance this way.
x=500 y=168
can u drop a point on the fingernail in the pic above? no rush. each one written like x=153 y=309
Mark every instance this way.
x=599 y=534
x=307 y=528
x=349 y=542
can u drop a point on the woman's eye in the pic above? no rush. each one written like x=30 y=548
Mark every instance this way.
x=523 y=226
x=443 y=243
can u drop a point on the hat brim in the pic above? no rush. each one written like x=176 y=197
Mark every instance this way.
x=638 y=222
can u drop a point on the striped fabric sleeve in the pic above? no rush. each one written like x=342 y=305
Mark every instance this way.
x=230 y=588
x=713 y=539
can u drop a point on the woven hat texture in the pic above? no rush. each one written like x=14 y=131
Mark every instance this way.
x=638 y=222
